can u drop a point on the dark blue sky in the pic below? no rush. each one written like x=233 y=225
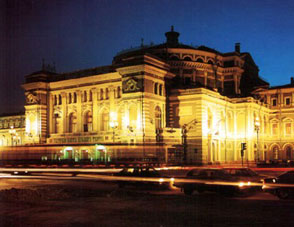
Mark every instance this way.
x=78 y=34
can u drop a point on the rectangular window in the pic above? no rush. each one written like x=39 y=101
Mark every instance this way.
x=274 y=102
x=288 y=128
x=288 y=101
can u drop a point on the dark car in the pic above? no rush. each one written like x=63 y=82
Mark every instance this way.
x=140 y=176
x=247 y=175
x=213 y=180
x=281 y=186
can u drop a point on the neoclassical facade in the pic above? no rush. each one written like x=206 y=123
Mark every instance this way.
x=170 y=103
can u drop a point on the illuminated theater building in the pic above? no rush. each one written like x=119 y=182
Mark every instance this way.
x=168 y=103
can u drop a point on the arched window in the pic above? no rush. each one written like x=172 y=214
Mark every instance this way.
x=174 y=58
x=199 y=60
x=88 y=121
x=210 y=62
x=155 y=88
x=187 y=59
x=158 y=123
x=104 y=124
x=56 y=123
x=72 y=124
x=275 y=152
x=59 y=100
x=69 y=98
x=288 y=152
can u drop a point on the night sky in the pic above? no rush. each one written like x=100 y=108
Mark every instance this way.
x=80 y=34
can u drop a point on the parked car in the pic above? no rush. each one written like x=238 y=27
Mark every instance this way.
x=281 y=186
x=213 y=180
x=139 y=176
x=247 y=175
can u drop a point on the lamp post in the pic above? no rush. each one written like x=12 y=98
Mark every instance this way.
x=12 y=133
x=257 y=127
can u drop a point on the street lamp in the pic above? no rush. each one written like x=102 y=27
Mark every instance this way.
x=257 y=127
x=12 y=133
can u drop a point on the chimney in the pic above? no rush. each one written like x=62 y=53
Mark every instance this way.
x=292 y=81
x=237 y=47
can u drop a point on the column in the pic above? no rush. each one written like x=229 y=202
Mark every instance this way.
x=51 y=114
x=64 y=113
x=95 y=109
x=79 y=111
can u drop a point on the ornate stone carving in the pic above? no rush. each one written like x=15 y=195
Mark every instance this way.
x=132 y=85
x=31 y=98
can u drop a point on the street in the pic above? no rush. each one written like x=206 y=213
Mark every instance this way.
x=49 y=202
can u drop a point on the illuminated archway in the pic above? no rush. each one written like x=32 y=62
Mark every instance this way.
x=88 y=119
x=104 y=120
x=72 y=122
x=57 y=123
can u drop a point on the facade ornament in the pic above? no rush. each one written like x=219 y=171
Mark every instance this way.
x=131 y=85
x=31 y=98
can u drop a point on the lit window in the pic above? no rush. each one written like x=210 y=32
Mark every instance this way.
x=275 y=129
x=288 y=128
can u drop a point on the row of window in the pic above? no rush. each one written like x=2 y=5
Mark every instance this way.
x=158 y=89
x=287 y=101
x=231 y=63
x=104 y=120
x=87 y=96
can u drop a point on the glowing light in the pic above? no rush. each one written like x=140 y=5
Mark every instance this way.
x=113 y=116
x=241 y=184
x=161 y=180
x=100 y=147
x=68 y=149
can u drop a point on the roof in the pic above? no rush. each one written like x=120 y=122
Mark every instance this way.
x=282 y=86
